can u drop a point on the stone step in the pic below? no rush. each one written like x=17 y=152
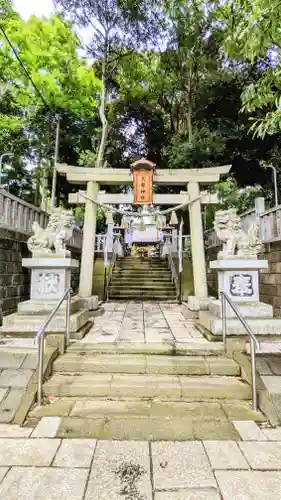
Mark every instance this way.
x=116 y=285
x=155 y=274
x=148 y=420
x=139 y=263
x=141 y=277
x=266 y=347
x=204 y=410
x=163 y=387
x=141 y=364
x=137 y=296
x=247 y=309
x=39 y=307
x=156 y=290
x=259 y=326
x=144 y=280
x=139 y=282
x=131 y=258
x=188 y=349
x=142 y=269
x=139 y=271
x=20 y=322
x=147 y=262
x=147 y=429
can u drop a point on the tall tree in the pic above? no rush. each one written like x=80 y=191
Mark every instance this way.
x=252 y=35
x=65 y=83
x=118 y=27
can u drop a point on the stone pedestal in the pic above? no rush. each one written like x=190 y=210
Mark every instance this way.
x=239 y=279
x=195 y=304
x=50 y=278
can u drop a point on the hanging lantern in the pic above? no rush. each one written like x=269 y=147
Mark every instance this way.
x=124 y=222
x=142 y=225
x=174 y=219
x=159 y=224
x=109 y=218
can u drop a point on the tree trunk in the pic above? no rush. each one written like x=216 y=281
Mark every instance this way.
x=99 y=162
x=189 y=106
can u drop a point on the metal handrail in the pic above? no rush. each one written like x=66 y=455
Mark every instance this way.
x=40 y=336
x=253 y=341
x=108 y=274
x=173 y=269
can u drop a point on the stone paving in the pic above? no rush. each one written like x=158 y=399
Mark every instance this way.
x=144 y=322
x=17 y=366
x=35 y=465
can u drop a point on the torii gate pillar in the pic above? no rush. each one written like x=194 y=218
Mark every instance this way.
x=88 y=248
x=197 y=249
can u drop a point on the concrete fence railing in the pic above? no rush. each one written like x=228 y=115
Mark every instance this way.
x=268 y=220
x=270 y=225
x=18 y=216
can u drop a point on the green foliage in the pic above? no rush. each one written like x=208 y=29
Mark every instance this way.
x=253 y=35
x=241 y=198
x=48 y=49
x=205 y=149
x=118 y=28
x=87 y=158
x=175 y=99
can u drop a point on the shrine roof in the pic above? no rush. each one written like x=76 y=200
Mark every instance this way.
x=82 y=175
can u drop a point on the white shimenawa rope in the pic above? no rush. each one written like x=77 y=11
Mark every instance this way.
x=108 y=208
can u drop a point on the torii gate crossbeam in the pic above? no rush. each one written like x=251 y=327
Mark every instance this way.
x=190 y=178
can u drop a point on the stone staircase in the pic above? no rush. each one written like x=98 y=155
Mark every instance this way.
x=143 y=394
x=136 y=278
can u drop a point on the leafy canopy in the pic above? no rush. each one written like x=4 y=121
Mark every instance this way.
x=253 y=35
x=48 y=50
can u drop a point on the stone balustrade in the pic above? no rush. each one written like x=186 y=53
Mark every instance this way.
x=270 y=225
x=269 y=221
x=16 y=219
x=270 y=235
x=18 y=216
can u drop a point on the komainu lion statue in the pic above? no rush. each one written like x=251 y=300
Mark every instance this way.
x=53 y=239
x=227 y=225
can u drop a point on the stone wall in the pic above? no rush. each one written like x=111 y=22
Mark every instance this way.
x=270 y=279
x=98 y=278
x=14 y=279
x=212 y=276
x=75 y=273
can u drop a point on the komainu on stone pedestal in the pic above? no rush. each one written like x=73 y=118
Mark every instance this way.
x=227 y=225
x=53 y=239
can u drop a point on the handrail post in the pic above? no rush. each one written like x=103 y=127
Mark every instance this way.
x=224 y=320
x=40 y=367
x=67 y=319
x=254 y=344
x=253 y=375
x=180 y=288
x=40 y=339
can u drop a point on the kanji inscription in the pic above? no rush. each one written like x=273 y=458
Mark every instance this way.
x=143 y=187
x=241 y=285
x=48 y=283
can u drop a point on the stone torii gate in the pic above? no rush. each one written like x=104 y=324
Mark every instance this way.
x=191 y=179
